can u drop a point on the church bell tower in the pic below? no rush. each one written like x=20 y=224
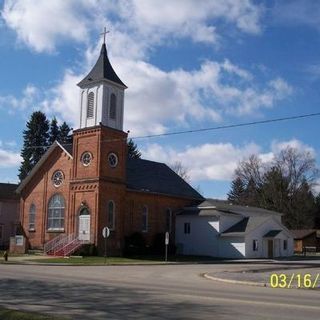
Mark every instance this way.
x=102 y=95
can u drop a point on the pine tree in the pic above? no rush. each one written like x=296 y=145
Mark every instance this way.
x=64 y=134
x=35 y=142
x=237 y=192
x=54 y=133
x=133 y=151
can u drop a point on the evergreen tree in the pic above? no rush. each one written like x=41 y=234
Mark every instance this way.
x=54 y=131
x=237 y=192
x=35 y=142
x=64 y=134
x=133 y=151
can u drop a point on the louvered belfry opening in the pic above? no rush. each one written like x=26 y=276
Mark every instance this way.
x=90 y=105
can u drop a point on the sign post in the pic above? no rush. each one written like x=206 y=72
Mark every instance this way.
x=105 y=234
x=166 y=242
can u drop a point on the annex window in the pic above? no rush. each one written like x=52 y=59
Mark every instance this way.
x=111 y=215
x=113 y=107
x=145 y=219
x=56 y=209
x=255 y=245
x=285 y=244
x=32 y=217
x=168 y=220
x=187 y=228
x=90 y=105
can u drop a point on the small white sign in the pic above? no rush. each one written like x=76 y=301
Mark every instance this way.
x=167 y=238
x=19 y=240
x=106 y=232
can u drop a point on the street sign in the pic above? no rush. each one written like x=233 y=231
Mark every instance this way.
x=106 y=232
x=167 y=239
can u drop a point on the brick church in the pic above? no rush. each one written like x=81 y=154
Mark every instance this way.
x=76 y=190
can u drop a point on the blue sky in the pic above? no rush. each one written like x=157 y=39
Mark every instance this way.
x=187 y=64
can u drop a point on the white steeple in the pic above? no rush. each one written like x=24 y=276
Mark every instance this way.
x=102 y=95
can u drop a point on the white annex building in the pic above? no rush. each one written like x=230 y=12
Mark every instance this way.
x=219 y=229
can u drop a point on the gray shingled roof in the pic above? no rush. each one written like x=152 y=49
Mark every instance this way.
x=245 y=226
x=272 y=233
x=7 y=191
x=156 y=177
x=226 y=206
x=102 y=70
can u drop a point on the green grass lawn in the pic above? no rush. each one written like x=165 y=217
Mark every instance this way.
x=6 y=314
x=122 y=260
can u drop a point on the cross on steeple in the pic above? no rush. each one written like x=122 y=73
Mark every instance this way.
x=104 y=34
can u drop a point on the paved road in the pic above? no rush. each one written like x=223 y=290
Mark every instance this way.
x=148 y=292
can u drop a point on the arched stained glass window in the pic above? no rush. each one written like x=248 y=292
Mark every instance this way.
x=32 y=217
x=145 y=219
x=111 y=215
x=56 y=209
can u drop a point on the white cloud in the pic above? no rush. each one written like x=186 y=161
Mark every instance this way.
x=29 y=95
x=9 y=159
x=216 y=161
x=158 y=99
x=42 y=24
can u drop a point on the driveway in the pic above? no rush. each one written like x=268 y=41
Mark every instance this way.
x=148 y=292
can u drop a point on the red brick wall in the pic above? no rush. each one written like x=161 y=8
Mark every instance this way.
x=39 y=191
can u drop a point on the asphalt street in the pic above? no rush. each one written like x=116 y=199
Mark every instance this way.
x=148 y=292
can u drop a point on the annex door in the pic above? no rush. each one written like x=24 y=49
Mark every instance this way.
x=270 y=249
x=84 y=227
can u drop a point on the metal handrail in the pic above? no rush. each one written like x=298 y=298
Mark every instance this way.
x=64 y=242
x=50 y=245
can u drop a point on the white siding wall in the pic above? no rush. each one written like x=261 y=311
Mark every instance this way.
x=203 y=237
x=258 y=234
x=102 y=93
x=232 y=247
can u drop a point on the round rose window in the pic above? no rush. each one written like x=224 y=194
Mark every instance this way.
x=113 y=160
x=57 y=178
x=86 y=158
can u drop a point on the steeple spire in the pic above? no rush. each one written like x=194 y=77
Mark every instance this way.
x=102 y=70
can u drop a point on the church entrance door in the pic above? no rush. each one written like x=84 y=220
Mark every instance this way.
x=84 y=225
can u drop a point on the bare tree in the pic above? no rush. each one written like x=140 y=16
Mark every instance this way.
x=180 y=170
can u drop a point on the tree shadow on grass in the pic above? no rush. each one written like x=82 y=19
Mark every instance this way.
x=88 y=301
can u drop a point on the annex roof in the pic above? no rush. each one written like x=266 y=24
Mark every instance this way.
x=245 y=226
x=226 y=206
x=7 y=191
x=102 y=70
x=272 y=233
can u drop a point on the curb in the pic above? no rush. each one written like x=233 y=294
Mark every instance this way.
x=248 y=283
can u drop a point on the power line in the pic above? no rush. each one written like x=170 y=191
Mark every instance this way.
x=228 y=126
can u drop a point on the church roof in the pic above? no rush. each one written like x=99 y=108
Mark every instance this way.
x=102 y=70
x=7 y=191
x=156 y=177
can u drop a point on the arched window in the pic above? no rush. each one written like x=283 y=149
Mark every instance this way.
x=111 y=215
x=145 y=219
x=113 y=107
x=32 y=217
x=168 y=220
x=56 y=209
x=90 y=105
x=84 y=211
